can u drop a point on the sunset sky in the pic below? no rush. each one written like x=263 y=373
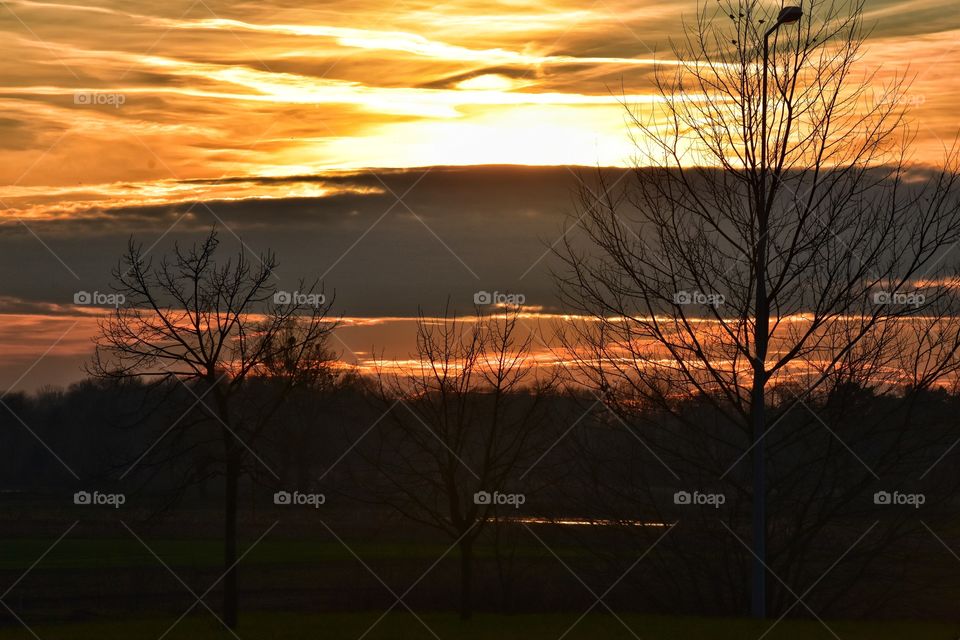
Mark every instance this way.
x=276 y=120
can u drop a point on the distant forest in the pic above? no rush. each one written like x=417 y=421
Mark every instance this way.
x=625 y=474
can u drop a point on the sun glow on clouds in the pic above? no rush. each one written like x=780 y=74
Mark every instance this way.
x=29 y=203
x=487 y=82
x=219 y=89
x=535 y=136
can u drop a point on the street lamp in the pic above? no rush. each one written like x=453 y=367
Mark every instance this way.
x=788 y=15
x=758 y=596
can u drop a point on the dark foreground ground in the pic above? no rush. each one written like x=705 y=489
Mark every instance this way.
x=396 y=626
x=118 y=576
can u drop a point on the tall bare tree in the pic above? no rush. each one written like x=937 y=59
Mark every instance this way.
x=222 y=329
x=463 y=422
x=775 y=223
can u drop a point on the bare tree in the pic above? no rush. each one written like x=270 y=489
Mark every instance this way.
x=461 y=425
x=774 y=225
x=238 y=345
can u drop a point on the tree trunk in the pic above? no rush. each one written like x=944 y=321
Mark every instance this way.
x=758 y=583
x=230 y=597
x=758 y=418
x=758 y=423
x=466 y=579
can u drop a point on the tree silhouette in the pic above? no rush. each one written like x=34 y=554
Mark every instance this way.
x=774 y=224
x=459 y=427
x=238 y=346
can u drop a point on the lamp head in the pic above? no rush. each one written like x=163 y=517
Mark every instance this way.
x=789 y=15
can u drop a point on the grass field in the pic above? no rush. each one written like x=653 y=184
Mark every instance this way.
x=100 y=557
x=397 y=626
x=82 y=553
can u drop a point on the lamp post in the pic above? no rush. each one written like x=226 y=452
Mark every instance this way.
x=758 y=587
x=788 y=15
